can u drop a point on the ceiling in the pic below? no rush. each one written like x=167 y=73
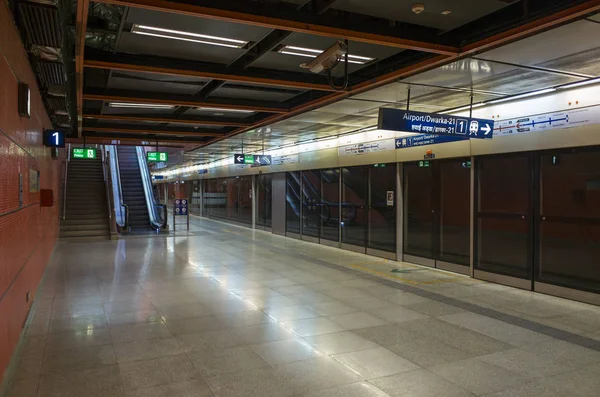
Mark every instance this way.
x=227 y=83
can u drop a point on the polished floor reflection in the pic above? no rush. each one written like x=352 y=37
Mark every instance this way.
x=225 y=311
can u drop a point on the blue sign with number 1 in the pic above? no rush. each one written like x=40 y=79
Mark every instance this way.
x=435 y=124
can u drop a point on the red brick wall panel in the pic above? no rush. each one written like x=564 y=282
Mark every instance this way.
x=28 y=232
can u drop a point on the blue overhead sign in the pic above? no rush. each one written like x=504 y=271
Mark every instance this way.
x=425 y=139
x=434 y=124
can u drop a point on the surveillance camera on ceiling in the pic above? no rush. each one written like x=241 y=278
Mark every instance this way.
x=327 y=59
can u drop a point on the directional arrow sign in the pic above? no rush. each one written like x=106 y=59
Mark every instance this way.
x=434 y=124
x=238 y=159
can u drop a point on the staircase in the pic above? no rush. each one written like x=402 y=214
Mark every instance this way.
x=133 y=189
x=86 y=213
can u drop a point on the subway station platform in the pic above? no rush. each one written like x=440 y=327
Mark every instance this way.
x=226 y=311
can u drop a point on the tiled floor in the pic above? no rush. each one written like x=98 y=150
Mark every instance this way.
x=225 y=311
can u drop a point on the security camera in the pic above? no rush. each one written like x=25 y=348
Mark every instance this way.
x=418 y=8
x=327 y=59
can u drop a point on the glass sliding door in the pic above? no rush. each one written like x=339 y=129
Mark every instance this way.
x=569 y=220
x=382 y=210
x=330 y=205
x=244 y=200
x=504 y=227
x=264 y=200
x=419 y=211
x=293 y=203
x=454 y=214
x=311 y=203
x=354 y=207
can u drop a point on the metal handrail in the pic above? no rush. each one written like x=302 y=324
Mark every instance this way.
x=64 y=215
x=155 y=221
x=125 y=206
x=108 y=187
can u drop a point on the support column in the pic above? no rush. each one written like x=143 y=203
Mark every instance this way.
x=472 y=223
x=254 y=202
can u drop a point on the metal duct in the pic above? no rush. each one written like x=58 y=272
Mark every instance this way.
x=51 y=73
x=42 y=24
x=45 y=53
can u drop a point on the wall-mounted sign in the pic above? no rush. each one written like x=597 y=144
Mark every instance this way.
x=390 y=197
x=158 y=177
x=363 y=148
x=53 y=138
x=157 y=157
x=84 y=153
x=433 y=123
x=548 y=121
x=425 y=139
x=424 y=164
x=289 y=159
x=202 y=172
x=181 y=207
x=252 y=159
x=34 y=181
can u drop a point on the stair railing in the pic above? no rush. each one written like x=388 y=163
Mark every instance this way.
x=156 y=211
x=122 y=209
x=64 y=214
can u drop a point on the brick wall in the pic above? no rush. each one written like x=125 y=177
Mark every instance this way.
x=27 y=231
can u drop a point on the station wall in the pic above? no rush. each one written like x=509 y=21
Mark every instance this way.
x=28 y=232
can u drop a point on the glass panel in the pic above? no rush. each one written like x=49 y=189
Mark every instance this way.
x=455 y=207
x=195 y=198
x=382 y=215
x=245 y=199
x=419 y=213
x=293 y=207
x=311 y=202
x=354 y=212
x=264 y=198
x=504 y=184
x=231 y=187
x=504 y=221
x=215 y=198
x=330 y=202
x=570 y=225
x=503 y=246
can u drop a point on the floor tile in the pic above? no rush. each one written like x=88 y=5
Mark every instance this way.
x=398 y=314
x=524 y=362
x=158 y=371
x=289 y=313
x=332 y=308
x=357 y=320
x=260 y=382
x=478 y=376
x=96 y=382
x=262 y=333
x=191 y=388
x=213 y=340
x=359 y=389
x=226 y=360
x=565 y=353
x=419 y=383
x=147 y=349
x=138 y=317
x=375 y=363
x=313 y=326
x=22 y=388
x=194 y=325
x=139 y=332
x=71 y=360
x=285 y=351
x=434 y=308
x=339 y=342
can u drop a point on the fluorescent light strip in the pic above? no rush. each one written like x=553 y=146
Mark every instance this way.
x=139 y=105
x=187 y=36
x=475 y=105
x=526 y=95
x=580 y=83
x=312 y=53
x=225 y=110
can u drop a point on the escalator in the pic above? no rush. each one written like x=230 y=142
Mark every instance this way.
x=136 y=210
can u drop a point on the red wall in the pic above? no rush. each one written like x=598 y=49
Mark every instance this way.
x=27 y=233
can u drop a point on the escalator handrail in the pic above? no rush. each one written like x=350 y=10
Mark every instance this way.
x=156 y=221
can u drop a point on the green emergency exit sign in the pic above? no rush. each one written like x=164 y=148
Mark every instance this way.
x=248 y=159
x=157 y=157
x=84 y=153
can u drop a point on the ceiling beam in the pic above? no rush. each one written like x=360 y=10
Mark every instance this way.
x=117 y=117
x=106 y=139
x=134 y=63
x=80 y=30
x=146 y=132
x=180 y=102
x=297 y=25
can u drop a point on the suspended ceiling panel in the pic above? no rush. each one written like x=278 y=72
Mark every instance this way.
x=462 y=11
x=219 y=113
x=240 y=92
x=154 y=83
x=112 y=110
x=585 y=62
x=522 y=80
x=574 y=38
x=126 y=122
x=348 y=107
x=200 y=125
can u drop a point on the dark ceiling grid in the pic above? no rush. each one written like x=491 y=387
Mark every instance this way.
x=288 y=16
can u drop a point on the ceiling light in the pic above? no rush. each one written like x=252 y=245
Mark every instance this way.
x=528 y=94
x=139 y=105
x=207 y=109
x=447 y=12
x=313 y=53
x=475 y=105
x=188 y=36
x=580 y=83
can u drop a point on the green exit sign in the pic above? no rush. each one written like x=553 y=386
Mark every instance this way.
x=85 y=153
x=157 y=157
x=423 y=163
x=249 y=159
